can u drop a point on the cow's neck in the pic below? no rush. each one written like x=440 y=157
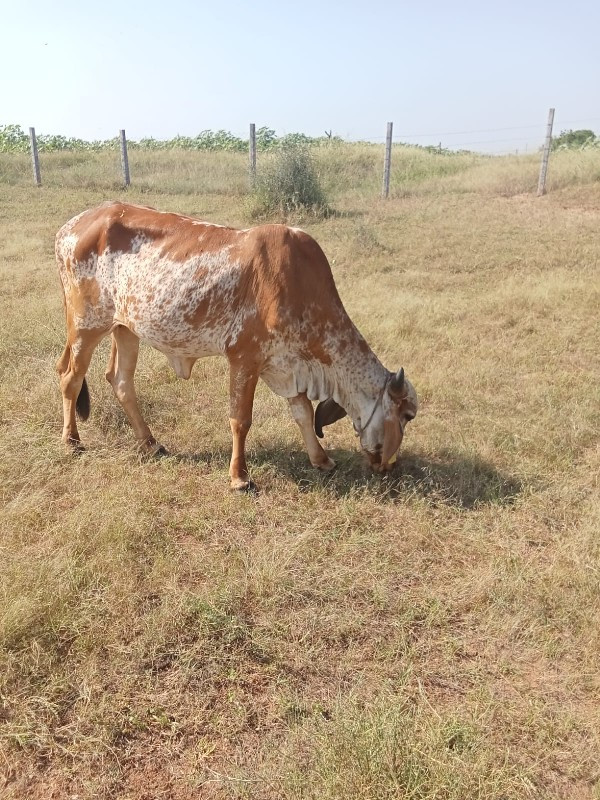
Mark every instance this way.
x=359 y=377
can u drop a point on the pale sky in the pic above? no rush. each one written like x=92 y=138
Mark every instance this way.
x=466 y=74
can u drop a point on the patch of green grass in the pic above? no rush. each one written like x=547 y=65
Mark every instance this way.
x=394 y=747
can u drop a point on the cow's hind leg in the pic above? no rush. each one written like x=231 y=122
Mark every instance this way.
x=303 y=413
x=243 y=378
x=72 y=367
x=120 y=372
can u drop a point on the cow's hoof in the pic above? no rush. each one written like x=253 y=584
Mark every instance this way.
x=152 y=449
x=326 y=466
x=74 y=446
x=244 y=487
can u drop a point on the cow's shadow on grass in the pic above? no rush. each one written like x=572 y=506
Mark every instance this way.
x=449 y=478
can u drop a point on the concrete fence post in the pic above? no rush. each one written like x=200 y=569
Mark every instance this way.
x=252 y=153
x=35 y=161
x=546 y=155
x=387 y=161
x=124 y=158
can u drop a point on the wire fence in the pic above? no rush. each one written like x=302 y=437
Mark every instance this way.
x=12 y=138
x=439 y=138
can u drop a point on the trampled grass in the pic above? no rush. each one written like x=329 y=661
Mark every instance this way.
x=431 y=635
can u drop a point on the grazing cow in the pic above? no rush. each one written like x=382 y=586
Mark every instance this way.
x=264 y=298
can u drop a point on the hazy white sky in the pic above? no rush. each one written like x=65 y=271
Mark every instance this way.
x=490 y=70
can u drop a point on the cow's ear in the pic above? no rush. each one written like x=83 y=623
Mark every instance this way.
x=327 y=412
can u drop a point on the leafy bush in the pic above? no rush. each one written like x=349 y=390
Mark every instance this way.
x=266 y=138
x=14 y=140
x=575 y=140
x=289 y=184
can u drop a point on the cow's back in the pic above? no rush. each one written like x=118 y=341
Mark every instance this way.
x=193 y=288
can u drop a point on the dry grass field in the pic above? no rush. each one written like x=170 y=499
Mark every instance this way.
x=434 y=634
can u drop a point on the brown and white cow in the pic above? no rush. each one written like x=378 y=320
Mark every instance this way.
x=264 y=298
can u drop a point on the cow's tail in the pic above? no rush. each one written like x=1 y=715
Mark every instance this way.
x=82 y=405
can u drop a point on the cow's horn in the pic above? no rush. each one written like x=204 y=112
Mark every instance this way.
x=397 y=382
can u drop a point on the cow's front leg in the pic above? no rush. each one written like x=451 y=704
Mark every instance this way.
x=303 y=413
x=242 y=384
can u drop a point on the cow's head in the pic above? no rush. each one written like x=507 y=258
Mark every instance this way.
x=382 y=432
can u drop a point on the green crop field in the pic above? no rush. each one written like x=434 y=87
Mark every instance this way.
x=431 y=635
